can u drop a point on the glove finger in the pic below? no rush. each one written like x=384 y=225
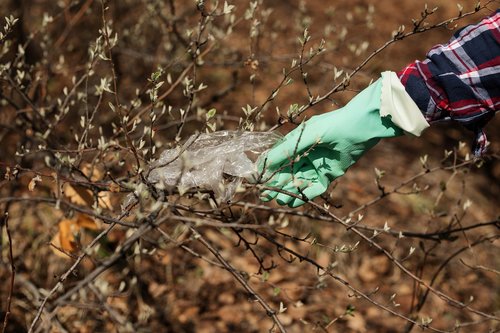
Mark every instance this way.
x=305 y=177
x=282 y=198
x=310 y=192
x=279 y=180
x=292 y=144
x=315 y=184
x=268 y=195
x=298 y=181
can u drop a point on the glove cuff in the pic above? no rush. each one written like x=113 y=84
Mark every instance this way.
x=396 y=102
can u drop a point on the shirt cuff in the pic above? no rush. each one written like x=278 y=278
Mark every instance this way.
x=396 y=102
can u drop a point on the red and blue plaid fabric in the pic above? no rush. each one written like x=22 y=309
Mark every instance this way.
x=461 y=79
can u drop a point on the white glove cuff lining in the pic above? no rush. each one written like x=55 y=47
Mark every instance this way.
x=396 y=102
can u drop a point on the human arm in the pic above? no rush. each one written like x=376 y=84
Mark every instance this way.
x=459 y=80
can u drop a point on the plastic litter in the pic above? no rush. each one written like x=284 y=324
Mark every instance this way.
x=216 y=161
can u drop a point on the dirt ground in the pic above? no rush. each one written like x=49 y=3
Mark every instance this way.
x=167 y=289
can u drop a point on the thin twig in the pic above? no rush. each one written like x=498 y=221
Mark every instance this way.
x=12 y=273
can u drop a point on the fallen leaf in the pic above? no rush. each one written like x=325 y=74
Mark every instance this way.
x=64 y=240
x=78 y=195
x=85 y=221
x=230 y=314
x=356 y=323
x=67 y=239
x=191 y=313
x=92 y=172
x=114 y=187
x=156 y=289
x=32 y=184
x=226 y=298
x=372 y=268
x=82 y=196
x=104 y=200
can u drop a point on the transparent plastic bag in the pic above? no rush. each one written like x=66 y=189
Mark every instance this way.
x=216 y=161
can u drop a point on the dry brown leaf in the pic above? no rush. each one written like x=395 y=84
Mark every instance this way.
x=297 y=310
x=78 y=195
x=66 y=240
x=86 y=222
x=114 y=187
x=356 y=323
x=285 y=319
x=372 y=268
x=118 y=303
x=105 y=200
x=32 y=184
x=365 y=271
x=91 y=172
x=189 y=314
x=156 y=289
x=81 y=195
x=226 y=298
x=230 y=314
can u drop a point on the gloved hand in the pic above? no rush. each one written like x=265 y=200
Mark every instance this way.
x=306 y=160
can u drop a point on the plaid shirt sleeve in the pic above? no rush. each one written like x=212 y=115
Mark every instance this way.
x=461 y=79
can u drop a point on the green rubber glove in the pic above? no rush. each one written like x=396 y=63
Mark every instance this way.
x=311 y=156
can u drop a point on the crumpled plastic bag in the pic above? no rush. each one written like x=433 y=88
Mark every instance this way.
x=217 y=161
